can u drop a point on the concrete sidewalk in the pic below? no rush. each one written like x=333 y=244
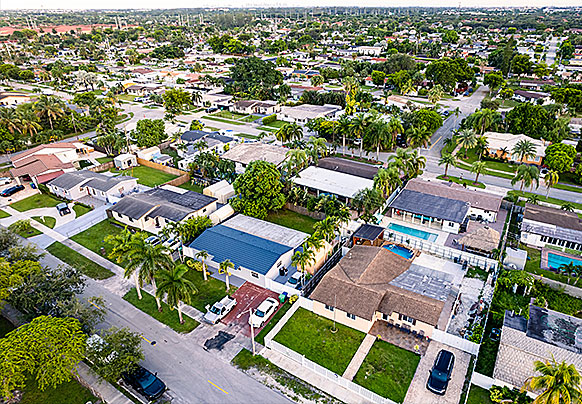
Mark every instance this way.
x=359 y=357
x=102 y=389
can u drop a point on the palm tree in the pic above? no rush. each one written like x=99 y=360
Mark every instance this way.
x=407 y=87
x=559 y=383
x=568 y=207
x=289 y=132
x=435 y=94
x=9 y=119
x=359 y=128
x=302 y=259
x=533 y=199
x=483 y=120
x=174 y=286
x=476 y=168
x=395 y=128
x=528 y=175
x=203 y=256
x=417 y=163
x=379 y=135
x=50 y=107
x=343 y=125
x=314 y=242
x=387 y=179
x=524 y=149
x=482 y=145
x=551 y=179
x=224 y=269
x=467 y=140
x=418 y=137
x=325 y=228
x=504 y=152
x=316 y=147
x=296 y=160
x=447 y=159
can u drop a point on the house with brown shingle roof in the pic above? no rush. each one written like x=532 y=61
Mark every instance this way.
x=367 y=285
x=543 y=225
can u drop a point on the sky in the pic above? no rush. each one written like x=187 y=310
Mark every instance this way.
x=156 y=4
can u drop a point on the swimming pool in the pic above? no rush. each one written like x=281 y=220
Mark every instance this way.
x=402 y=251
x=425 y=235
x=556 y=261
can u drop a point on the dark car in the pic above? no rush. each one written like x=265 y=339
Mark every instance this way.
x=440 y=373
x=145 y=382
x=63 y=209
x=12 y=190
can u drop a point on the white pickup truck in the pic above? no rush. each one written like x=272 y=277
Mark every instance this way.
x=219 y=310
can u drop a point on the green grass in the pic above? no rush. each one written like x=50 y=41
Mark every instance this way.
x=150 y=177
x=209 y=291
x=277 y=124
x=567 y=187
x=168 y=317
x=246 y=135
x=103 y=160
x=267 y=129
x=293 y=220
x=126 y=97
x=4 y=215
x=249 y=118
x=488 y=349
x=260 y=338
x=477 y=273
x=48 y=221
x=229 y=115
x=26 y=234
x=310 y=335
x=80 y=210
x=387 y=370
x=35 y=201
x=92 y=238
x=192 y=187
x=76 y=260
x=557 y=202
x=71 y=392
x=457 y=180
x=533 y=266
x=213 y=118
x=478 y=395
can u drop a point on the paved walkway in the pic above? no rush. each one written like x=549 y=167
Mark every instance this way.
x=103 y=389
x=359 y=357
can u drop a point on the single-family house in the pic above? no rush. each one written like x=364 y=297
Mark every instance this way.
x=149 y=153
x=543 y=225
x=303 y=113
x=244 y=153
x=125 y=161
x=153 y=209
x=10 y=98
x=531 y=96
x=78 y=184
x=318 y=181
x=501 y=145
x=576 y=125
x=256 y=107
x=369 y=50
x=348 y=167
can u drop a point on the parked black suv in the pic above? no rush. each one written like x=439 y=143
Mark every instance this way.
x=145 y=382
x=12 y=190
x=440 y=373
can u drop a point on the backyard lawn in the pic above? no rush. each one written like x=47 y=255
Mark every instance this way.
x=387 y=370
x=310 y=335
x=478 y=395
x=35 y=201
x=80 y=210
x=209 y=292
x=191 y=187
x=260 y=338
x=293 y=220
x=48 y=221
x=71 y=392
x=4 y=214
x=533 y=266
x=79 y=261
x=168 y=317
x=92 y=238
x=150 y=177
x=103 y=160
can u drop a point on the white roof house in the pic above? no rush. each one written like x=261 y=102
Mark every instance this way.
x=332 y=182
x=305 y=112
x=244 y=153
x=222 y=191
x=267 y=230
x=507 y=141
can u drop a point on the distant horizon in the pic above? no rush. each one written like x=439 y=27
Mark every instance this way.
x=143 y=5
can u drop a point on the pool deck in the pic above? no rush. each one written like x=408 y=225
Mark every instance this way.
x=441 y=235
x=546 y=251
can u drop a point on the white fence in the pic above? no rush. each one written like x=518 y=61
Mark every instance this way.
x=487 y=382
x=455 y=342
x=442 y=251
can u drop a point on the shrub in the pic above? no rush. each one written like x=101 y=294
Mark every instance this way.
x=269 y=119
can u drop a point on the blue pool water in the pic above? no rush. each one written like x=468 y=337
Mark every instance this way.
x=425 y=235
x=402 y=251
x=556 y=261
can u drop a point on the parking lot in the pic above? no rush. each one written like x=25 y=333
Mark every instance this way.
x=247 y=296
x=418 y=393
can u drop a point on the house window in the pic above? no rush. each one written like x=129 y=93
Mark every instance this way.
x=351 y=316
x=384 y=316
x=204 y=210
x=130 y=219
x=451 y=224
x=255 y=275
x=407 y=319
x=328 y=307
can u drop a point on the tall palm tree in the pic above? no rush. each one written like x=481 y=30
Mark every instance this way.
x=387 y=179
x=482 y=145
x=559 y=383
x=296 y=160
x=447 y=159
x=203 y=256
x=528 y=175
x=289 y=132
x=524 y=149
x=9 y=119
x=476 y=168
x=551 y=179
x=379 y=135
x=224 y=269
x=314 y=242
x=417 y=163
x=50 y=107
x=325 y=228
x=302 y=259
x=395 y=128
x=343 y=126
x=359 y=126
x=174 y=286
x=467 y=140
x=316 y=147
x=418 y=137
x=435 y=94
x=483 y=120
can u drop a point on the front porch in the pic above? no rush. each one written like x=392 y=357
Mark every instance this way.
x=402 y=337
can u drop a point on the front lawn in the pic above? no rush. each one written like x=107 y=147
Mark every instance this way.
x=310 y=335
x=387 y=370
x=4 y=215
x=209 y=291
x=465 y=181
x=71 y=392
x=293 y=220
x=48 y=221
x=542 y=198
x=150 y=177
x=478 y=395
x=31 y=232
x=277 y=124
x=36 y=201
x=213 y=118
x=80 y=210
x=168 y=317
x=79 y=261
x=260 y=338
x=92 y=238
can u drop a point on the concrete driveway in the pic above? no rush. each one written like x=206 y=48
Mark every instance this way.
x=418 y=393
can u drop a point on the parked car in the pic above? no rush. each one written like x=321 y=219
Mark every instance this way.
x=12 y=190
x=294 y=280
x=153 y=240
x=63 y=209
x=219 y=310
x=263 y=312
x=211 y=109
x=440 y=374
x=145 y=382
x=5 y=180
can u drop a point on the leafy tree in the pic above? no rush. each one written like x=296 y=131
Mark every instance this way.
x=12 y=276
x=89 y=311
x=317 y=80
x=47 y=348
x=572 y=97
x=175 y=287
x=167 y=52
x=530 y=119
x=387 y=180
x=252 y=72
x=494 y=80
x=378 y=77
x=175 y=100
x=117 y=351
x=149 y=132
x=560 y=157
x=435 y=94
x=259 y=190
x=558 y=383
x=521 y=64
x=451 y=36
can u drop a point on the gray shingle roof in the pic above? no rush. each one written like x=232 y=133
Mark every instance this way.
x=97 y=181
x=431 y=206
